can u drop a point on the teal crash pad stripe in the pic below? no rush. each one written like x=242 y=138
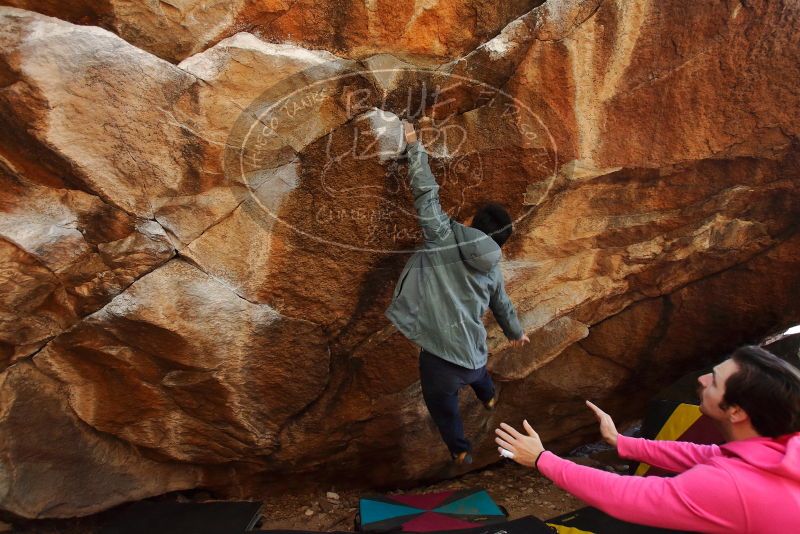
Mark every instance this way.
x=478 y=503
x=373 y=511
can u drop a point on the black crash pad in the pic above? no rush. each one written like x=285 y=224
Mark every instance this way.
x=215 y=517
x=593 y=521
x=524 y=525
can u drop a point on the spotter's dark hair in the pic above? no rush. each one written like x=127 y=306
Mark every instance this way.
x=767 y=388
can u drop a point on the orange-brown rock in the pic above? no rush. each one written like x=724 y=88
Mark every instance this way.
x=200 y=374
x=65 y=254
x=196 y=257
x=71 y=469
x=175 y=30
x=83 y=109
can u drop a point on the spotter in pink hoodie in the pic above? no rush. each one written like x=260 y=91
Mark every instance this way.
x=751 y=485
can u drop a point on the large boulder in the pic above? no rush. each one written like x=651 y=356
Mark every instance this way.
x=196 y=258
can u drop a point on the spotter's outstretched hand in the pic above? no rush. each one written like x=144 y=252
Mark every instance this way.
x=607 y=427
x=526 y=449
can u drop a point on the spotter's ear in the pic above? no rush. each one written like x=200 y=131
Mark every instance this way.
x=736 y=414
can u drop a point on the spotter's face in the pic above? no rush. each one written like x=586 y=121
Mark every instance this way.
x=712 y=389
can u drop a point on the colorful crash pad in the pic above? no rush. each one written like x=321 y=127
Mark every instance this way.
x=428 y=512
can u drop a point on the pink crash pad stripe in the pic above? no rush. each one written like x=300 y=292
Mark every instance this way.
x=431 y=521
x=423 y=502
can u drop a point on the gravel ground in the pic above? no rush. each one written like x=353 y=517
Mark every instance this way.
x=520 y=490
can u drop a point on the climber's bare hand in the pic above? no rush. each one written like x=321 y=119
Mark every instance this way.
x=409 y=132
x=521 y=341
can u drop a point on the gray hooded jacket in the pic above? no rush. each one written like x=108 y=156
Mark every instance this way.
x=447 y=286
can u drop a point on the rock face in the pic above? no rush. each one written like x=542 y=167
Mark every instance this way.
x=65 y=255
x=196 y=253
x=175 y=30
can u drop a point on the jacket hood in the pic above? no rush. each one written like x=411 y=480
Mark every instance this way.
x=478 y=250
x=780 y=456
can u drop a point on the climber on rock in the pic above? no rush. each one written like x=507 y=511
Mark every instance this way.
x=442 y=295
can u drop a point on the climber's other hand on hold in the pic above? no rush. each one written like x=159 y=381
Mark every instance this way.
x=521 y=341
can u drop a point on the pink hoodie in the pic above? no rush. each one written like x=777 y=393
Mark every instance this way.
x=752 y=485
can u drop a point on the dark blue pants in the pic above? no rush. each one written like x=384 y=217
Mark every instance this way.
x=441 y=381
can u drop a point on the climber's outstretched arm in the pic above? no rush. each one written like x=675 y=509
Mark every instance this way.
x=435 y=222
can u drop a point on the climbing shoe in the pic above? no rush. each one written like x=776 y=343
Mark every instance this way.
x=462 y=458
